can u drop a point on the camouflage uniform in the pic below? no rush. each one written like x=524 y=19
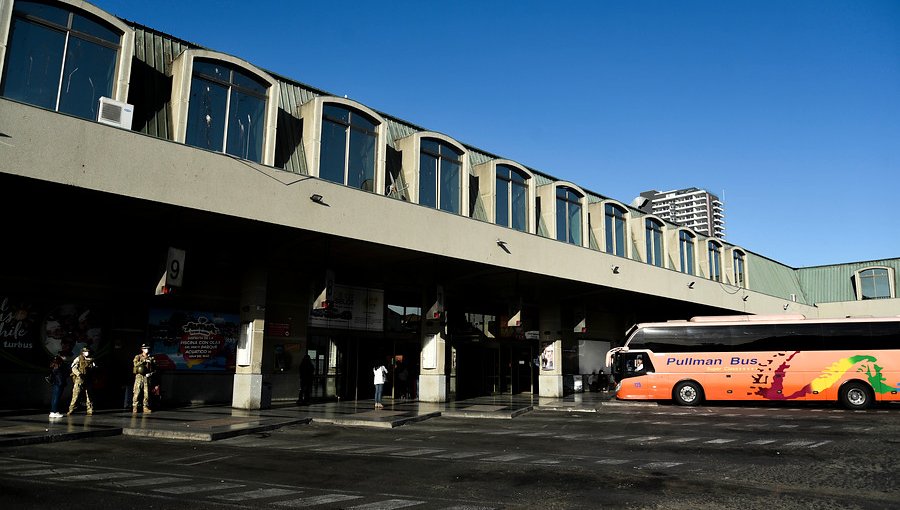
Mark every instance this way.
x=82 y=368
x=144 y=366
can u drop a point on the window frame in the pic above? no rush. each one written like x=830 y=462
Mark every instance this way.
x=890 y=276
x=687 y=238
x=411 y=149
x=182 y=81
x=571 y=192
x=654 y=242
x=739 y=261
x=610 y=234
x=714 y=255
x=526 y=185
x=124 y=50
x=314 y=112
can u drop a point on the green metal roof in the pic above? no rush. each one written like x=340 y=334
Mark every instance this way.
x=826 y=284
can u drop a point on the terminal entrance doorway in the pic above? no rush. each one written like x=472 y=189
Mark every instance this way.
x=502 y=367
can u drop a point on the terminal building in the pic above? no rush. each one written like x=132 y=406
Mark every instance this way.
x=157 y=191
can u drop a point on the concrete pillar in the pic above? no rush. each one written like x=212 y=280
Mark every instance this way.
x=434 y=372
x=550 y=379
x=248 y=378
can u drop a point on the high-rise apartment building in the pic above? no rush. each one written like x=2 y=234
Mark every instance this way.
x=690 y=207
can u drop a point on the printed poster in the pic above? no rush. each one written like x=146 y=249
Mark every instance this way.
x=195 y=341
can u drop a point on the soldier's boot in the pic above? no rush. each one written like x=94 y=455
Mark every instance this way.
x=147 y=410
x=134 y=410
x=90 y=411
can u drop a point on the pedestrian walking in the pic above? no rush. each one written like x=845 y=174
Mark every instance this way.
x=144 y=365
x=82 y=368
x=380 y=372
x=59 y=370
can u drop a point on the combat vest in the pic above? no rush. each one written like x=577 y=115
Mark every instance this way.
x=81 y=367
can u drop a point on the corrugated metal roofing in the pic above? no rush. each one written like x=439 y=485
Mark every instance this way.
x=827 y=284
x=769 y=277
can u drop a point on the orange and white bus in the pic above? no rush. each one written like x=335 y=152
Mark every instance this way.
x=855 y=361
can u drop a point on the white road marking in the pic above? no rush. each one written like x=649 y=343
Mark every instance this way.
x=337 y=448
x=109 y=475
x=143 y=482
x=819 y=444
x=460 y=455
x=800 y=443
x=546 y=461
x=255 y=494
x=52 y=471
x=388 y=504
x=204 y=461
x=788 y=426
x=381 y=449
x=720 y=441
x=416 y=453
x=317 y=500
x=682 y=439
x=762 y=441
x=506 y=458
x=611 y=462
x=201 y=487
x=645 y=438
x=659 y=465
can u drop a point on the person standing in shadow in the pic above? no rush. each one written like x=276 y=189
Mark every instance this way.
x=380 y=373
x=306 y=380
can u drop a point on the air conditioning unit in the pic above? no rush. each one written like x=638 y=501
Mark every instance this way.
x=115 y=113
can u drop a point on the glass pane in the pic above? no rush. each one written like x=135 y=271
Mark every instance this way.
x=882 y=287
x=46 y=12
x=33 y=63
x=212 y=69
x=620 y=236
x=502 y=171
x=561 y=216
x=689 y=249
x=98 y=30
x=517 y=177
x=502 y=201
x=246 y=119
x=657 y=249
x=519 y=207
x=362 y=122
x=336 y=113
x=334 y=147
x=430 y=145
x=88 y=75
x=428 y=180
x=206 y=115
x=610 y=234
x=450 y=188
x=361 y=170
x=249 y=82
x=575 y=224
x=449 y=152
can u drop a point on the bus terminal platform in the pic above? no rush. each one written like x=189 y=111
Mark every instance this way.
x=214 y=422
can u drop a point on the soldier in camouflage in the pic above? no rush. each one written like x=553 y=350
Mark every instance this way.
x=82 y=369
x=144 y=366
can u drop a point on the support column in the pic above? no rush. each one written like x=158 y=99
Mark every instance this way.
x=249 y=388
x=550 y=379
x=433 y=376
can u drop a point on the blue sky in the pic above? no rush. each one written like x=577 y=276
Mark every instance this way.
x=788 y=108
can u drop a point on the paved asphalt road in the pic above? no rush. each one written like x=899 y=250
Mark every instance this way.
x=624 y=457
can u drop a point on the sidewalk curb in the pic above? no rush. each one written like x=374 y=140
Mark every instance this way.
x=387 y=424
x=209 y=436
x=630 y=403
x=491 y=415
x=58 y=438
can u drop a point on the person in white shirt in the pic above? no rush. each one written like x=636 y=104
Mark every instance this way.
x=380 y=372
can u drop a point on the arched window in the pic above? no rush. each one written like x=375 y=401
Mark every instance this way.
x=875 y=283
x=614 y=218
x=440 y=176
x=686 y=251
x=568 y=215
x=349 y=147
x=715 y=261
x=223 y=104
x=512 y=198
x=653 y=230
x=740 y=275
x=227 y=110
x=64 y=58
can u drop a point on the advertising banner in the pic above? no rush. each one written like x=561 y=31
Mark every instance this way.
x=31 y=335
x=195 y=341
x=351 y=308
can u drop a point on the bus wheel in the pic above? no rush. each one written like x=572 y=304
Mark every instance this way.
x=855 y=396
x=688 y=393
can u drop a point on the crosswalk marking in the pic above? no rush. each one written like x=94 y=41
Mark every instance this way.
x=335 y=448
x=611 y=462
x=460 y=455
x=381 y=449
x=546 y=461
x=682 y=439
x=108 y=475
x=819 y=444
x=506 y=458
x=719 y=441
x=762 y=441
x=417 y=452
x=645 y=438
x=800 y=443
x=788 y=426
x=52 y=471
x=388 y=504
x=12 y=467
x=201 y=487
x=255 y=494
x=317 y=500
x=144 y=482
x=659 y=465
